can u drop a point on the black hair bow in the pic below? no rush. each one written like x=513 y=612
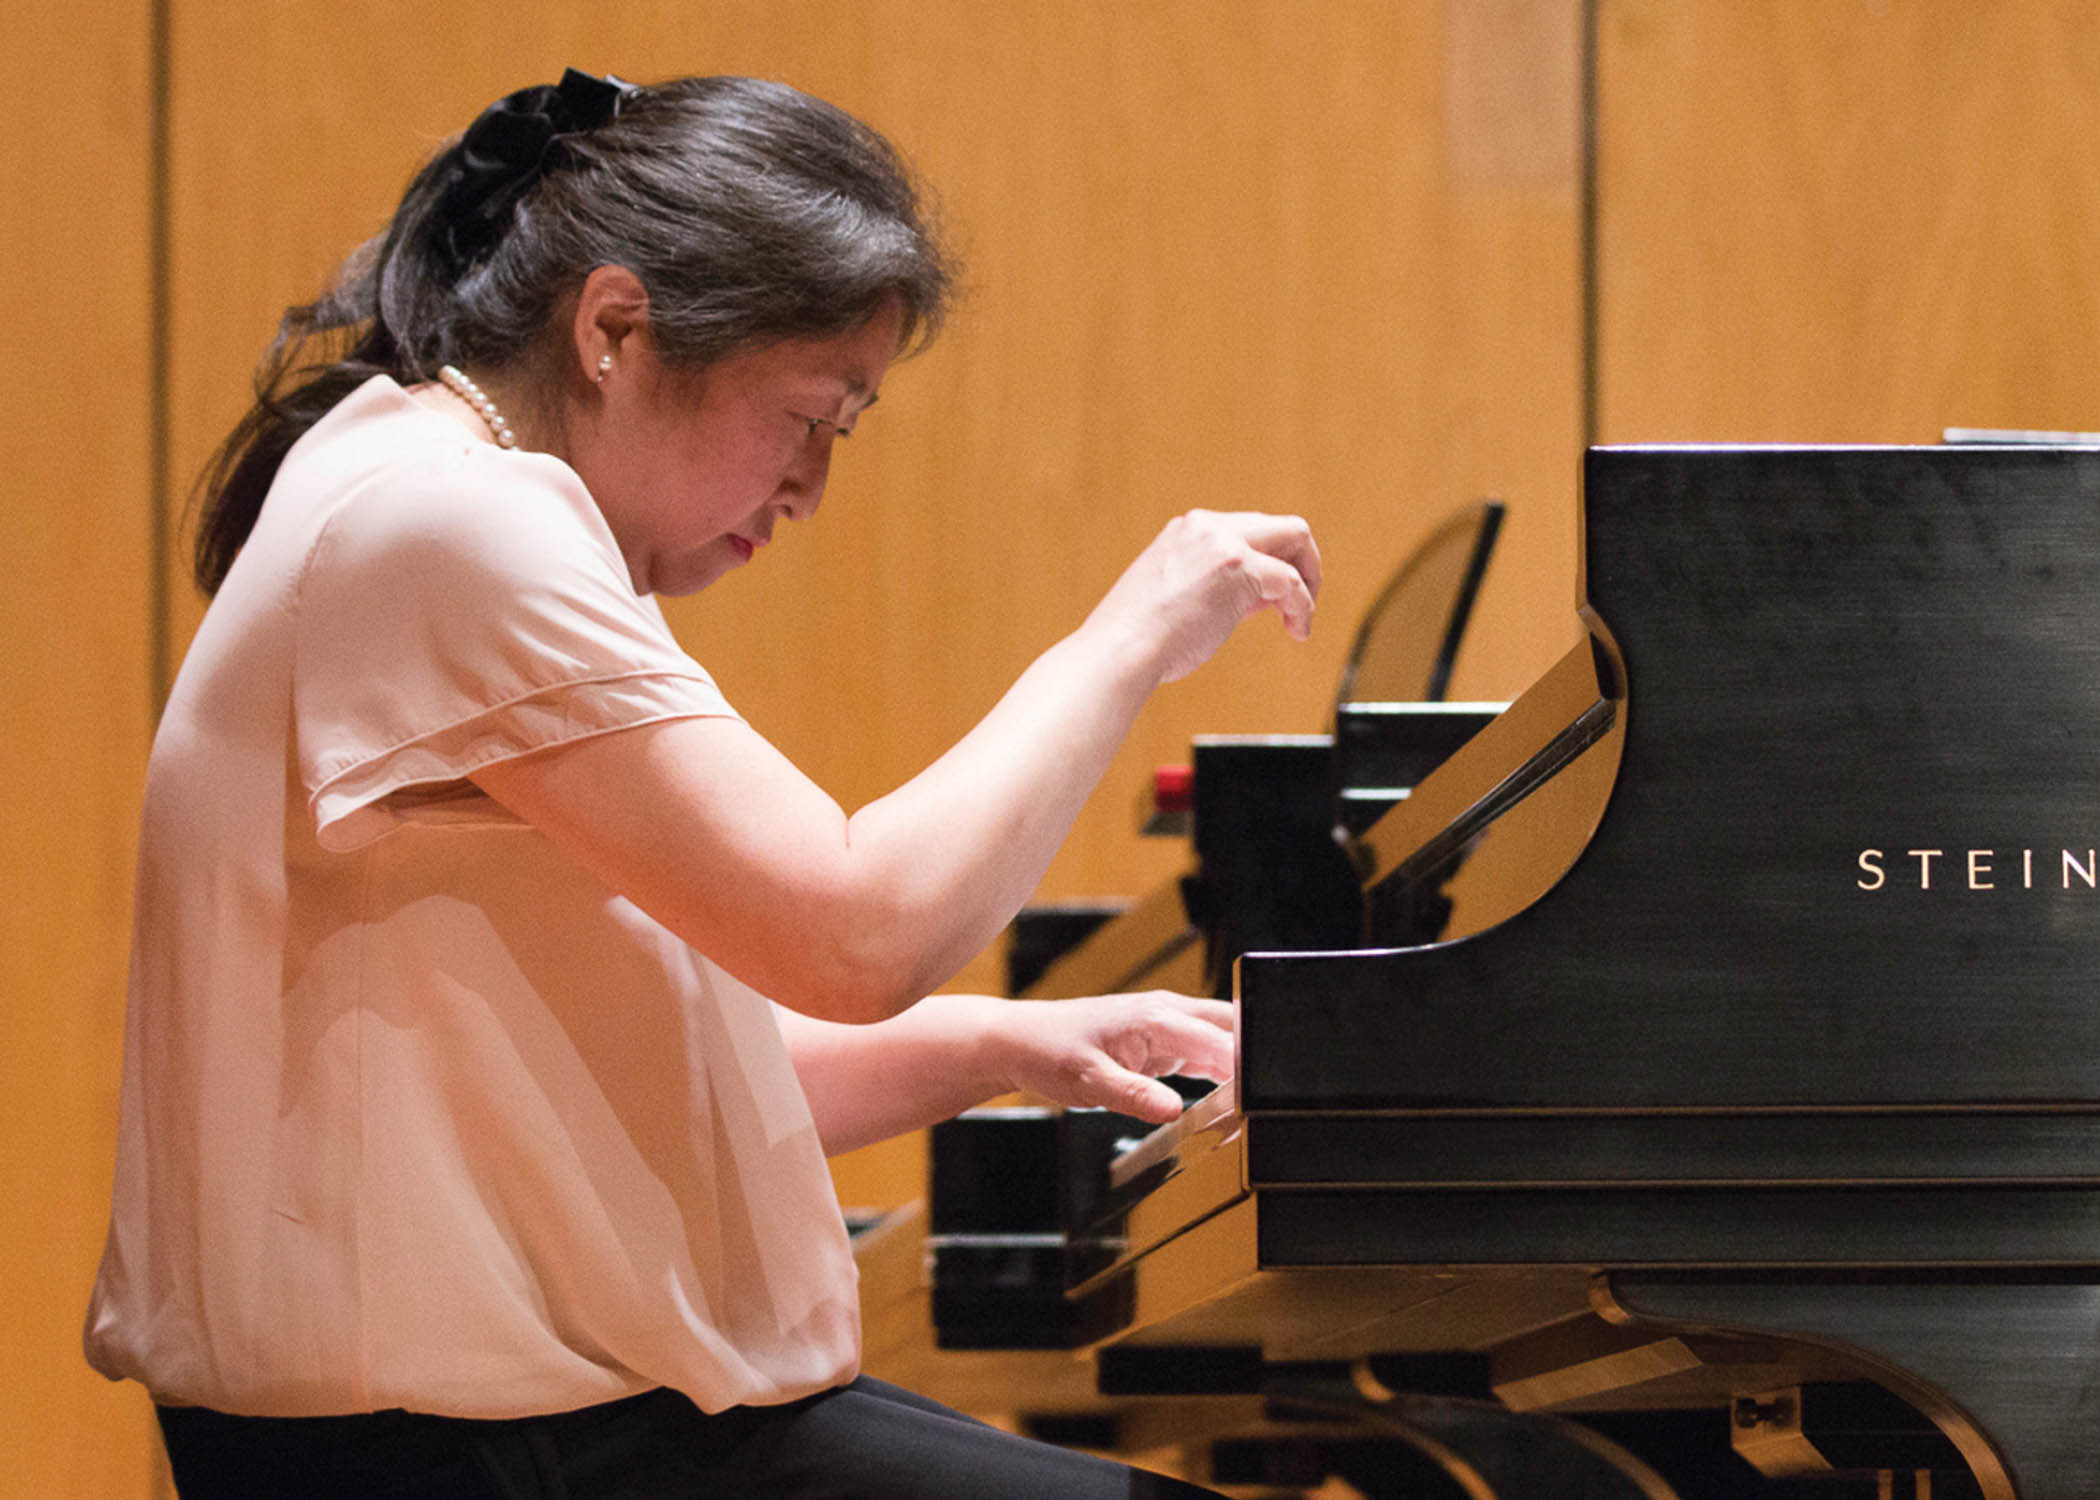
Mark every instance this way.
x=508 y=149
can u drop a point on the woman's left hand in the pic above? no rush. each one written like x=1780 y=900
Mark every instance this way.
x=1111 y=1051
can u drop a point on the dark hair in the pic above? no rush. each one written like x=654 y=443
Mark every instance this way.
x=750 y=211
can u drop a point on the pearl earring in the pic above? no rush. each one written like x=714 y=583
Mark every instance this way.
x=604 y=367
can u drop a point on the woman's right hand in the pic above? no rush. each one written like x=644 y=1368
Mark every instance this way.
x=1109 y=1051
x=1203 y=574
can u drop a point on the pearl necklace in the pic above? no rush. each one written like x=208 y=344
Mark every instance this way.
x=457 y=382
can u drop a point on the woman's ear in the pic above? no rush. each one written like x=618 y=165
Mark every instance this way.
x=611 y=321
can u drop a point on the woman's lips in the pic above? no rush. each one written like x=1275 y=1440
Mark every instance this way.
x=744 y=548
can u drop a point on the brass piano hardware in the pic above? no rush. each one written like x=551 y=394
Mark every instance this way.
x=1776 y=1407
x=1764 y=1429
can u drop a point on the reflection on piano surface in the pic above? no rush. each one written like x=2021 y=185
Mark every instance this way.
x=1689 y=1087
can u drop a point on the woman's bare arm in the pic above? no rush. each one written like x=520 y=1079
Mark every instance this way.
x=712 y=831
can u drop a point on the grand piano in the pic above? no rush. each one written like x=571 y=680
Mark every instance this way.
x=1682 y=1082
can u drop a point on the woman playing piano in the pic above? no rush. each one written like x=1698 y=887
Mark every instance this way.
x=497 y=990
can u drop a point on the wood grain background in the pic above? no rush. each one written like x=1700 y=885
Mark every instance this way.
x=1861 y=221
x=76 y=529
x=1316 y=255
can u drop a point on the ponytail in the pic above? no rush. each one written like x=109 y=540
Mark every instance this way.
x=298 y=382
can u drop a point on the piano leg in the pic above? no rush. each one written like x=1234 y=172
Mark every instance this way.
x=2008 y=1370
x=1483 y=1450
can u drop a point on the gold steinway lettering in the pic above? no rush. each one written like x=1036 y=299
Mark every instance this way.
x=2079 y=870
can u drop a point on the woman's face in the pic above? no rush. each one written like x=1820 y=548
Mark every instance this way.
x=693 y=471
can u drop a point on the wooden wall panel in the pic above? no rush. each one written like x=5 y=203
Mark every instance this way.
x=76 y=519
x=1847 y=220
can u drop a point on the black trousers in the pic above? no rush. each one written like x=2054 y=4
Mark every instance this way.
x=864 y=1441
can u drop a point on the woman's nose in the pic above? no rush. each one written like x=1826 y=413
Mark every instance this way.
x=803 y=487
